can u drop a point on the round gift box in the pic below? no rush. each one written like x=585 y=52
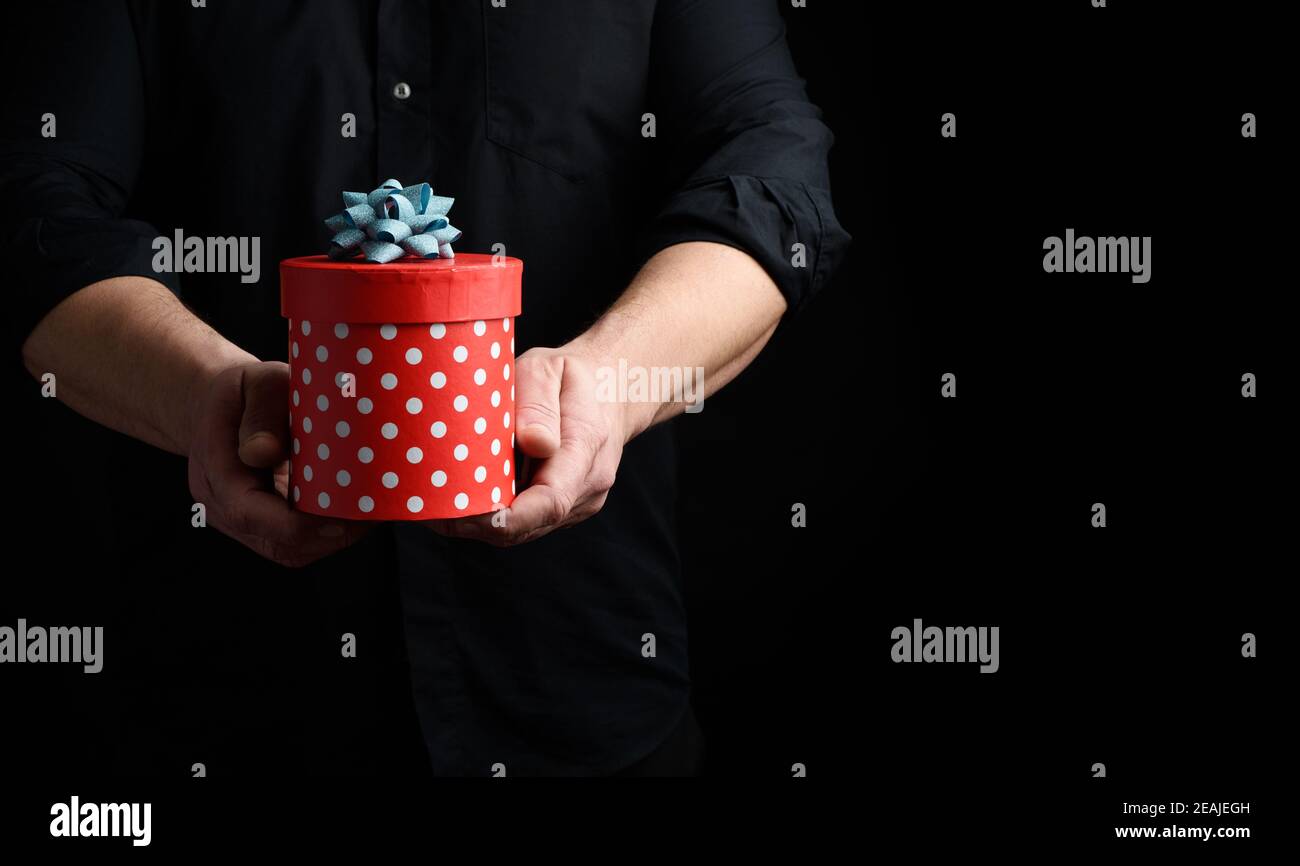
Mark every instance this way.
x=402 y=395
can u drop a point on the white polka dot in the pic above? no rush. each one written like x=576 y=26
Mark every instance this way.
x=306 y=376
x=294 y=349
x=366 y=504
x=343 y=477
x=364 y=406
x=414 y=356
x=480 y=426
x=461 y=403
x=512 y=392
x=389 y=430
x=306 y=327
x=460 y=353
x=512 y=345
x=438 y=379
x=513 y=489
x=505 y=420
x=365 y=455
x=342 y=429
x=415 y=505
x=307 y=472
x=480 y=474
x=462 y=501
x=496 y=447
x=296 y=398
x=389 y=480
x=322 y=403
x=496 y=494
x=505 y=372
x=480 y=376
x=323 y=500
x=341 y=331
x=437 y=331
x=438 y=478
x=297 y=494
x=388 y=332
x=496 y=399
x=480 y=328
x=438 y=430
x=341 y=379
x=414 y=455
x=505 y=324
x=322 y=354
x=297 y=446
x=388 y=381
x=364 y=355
x=323 y=451
x=495 y=351
x=461 y=452
x=505 y=468
x=414 y=406
x=306 y=425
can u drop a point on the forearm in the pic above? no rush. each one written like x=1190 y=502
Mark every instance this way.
x=127 y=354
x=693 y=305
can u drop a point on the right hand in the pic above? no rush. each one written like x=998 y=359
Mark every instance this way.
x=239 y=448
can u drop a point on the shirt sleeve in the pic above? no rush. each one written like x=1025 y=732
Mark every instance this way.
x=70 y=149
x=746 y=150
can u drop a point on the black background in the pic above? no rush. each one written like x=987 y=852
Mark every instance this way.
x=1118 y=645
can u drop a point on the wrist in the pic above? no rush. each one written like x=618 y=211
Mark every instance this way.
x=627 y=418
x=197 y=385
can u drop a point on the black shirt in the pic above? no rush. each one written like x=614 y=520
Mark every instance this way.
x=228 y=120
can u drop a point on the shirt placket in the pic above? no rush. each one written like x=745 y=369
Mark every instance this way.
x=404 y=91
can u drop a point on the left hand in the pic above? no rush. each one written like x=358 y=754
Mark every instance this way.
x=573 y=441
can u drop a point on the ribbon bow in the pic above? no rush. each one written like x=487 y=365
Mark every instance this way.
x=391 y=221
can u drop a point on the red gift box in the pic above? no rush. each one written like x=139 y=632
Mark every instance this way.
x=402 y=393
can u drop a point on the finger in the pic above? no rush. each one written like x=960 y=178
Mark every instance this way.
x=587 y=508
x=280 y=480
x=538 y=380
x=247 y=508
x=264 y=425
x=293 y=538
x=558 y=486
x=478 y=527
x=263 y=520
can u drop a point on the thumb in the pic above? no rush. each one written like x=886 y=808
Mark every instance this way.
x=264 y=429
x=537 y=404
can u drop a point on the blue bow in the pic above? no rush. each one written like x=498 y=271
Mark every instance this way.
x=393 y=220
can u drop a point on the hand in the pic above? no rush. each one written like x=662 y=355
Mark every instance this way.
x=575 y=439
x=239 y=448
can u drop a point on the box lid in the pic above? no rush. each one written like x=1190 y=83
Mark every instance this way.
x=468 y=287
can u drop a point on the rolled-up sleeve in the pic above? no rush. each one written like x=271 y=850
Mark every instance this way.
x=745 y=148
x=70 y=150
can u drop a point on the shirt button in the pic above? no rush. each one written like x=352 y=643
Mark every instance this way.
x=402 y=90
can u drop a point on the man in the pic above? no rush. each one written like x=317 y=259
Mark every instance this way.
x=659 y=169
